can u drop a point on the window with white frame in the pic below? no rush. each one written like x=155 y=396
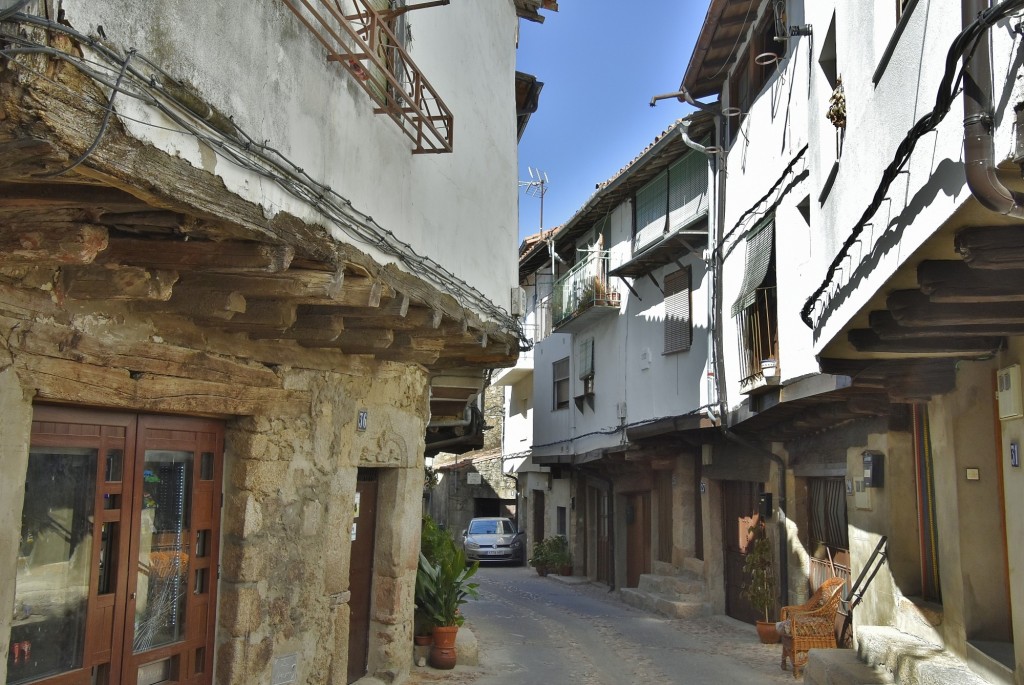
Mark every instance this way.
x=560 y=384
x=678 y=321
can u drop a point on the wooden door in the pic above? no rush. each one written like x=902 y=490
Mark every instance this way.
x=361 y=572
x=597 y=534
x=739 y=503
x=78 y=588
x=538 y=516
x=638 y=537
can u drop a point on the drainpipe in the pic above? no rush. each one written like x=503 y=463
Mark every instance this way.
x=979 y=150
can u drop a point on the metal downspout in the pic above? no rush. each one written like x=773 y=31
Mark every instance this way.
x=979 y=149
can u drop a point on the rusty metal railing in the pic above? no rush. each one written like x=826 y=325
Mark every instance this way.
x=362 y=41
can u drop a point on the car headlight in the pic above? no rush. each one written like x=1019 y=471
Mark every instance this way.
x=471 y=545
x=516 y=544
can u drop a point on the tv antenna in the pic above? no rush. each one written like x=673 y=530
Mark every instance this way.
x=537 y=186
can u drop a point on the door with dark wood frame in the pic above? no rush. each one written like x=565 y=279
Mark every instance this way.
x=361 y=573
x=116 y=580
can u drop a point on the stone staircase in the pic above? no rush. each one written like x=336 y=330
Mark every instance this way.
x=885 y=656
x=670 y=591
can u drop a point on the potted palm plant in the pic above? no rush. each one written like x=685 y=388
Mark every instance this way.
x=442 y=586
x=759 y=568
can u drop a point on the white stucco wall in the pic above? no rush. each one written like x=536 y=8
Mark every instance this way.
x=256 y=63
x=879 y=116
x=630 y=366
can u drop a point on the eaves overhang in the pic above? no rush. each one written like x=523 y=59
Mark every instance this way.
x=664 y=151
x=674 y=246
x=720 y=40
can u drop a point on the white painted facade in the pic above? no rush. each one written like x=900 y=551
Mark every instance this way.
x=458 y=209
x=631 y=370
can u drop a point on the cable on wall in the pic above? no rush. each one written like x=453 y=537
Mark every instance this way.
x=164 y=93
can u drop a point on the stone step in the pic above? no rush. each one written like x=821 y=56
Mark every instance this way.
x=681 y=584
x=842 y=667
x=666 y=606
x=911 y=660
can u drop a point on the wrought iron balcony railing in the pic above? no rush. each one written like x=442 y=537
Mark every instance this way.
x=585 y=286
x=362 y=40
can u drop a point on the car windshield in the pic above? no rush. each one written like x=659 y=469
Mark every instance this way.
x=490 y=528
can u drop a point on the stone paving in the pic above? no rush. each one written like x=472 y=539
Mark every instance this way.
x=548 y=631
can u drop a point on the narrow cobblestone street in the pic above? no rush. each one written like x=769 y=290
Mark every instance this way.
x=534 y=630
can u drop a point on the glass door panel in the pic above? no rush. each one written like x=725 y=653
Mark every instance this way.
x=163 y=558
x=52 y=584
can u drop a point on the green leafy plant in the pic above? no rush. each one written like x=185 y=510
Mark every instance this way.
x=551 y=553
x=759 y=567
x=442 y=587
x=442 y=579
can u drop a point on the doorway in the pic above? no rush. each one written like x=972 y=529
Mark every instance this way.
x=364 y=537
x=739 y=505
x=638 y=537
x=116 y=574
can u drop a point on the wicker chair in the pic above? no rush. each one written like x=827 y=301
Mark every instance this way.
x=811 y=625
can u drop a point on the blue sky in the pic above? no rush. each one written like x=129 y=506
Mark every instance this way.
x=601 y=61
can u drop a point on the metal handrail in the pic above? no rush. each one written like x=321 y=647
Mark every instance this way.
x=583 y=286
x=364 y=44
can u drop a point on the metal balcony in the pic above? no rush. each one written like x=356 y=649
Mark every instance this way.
x=584 y=294
x=362 y=41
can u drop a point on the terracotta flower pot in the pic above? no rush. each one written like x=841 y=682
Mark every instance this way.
x=421 y=640
x=443 y=654
x=767 y=633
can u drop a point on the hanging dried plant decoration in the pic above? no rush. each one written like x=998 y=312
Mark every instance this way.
x=837 y=106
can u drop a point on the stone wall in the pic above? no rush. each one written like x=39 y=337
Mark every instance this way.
x=288 y=511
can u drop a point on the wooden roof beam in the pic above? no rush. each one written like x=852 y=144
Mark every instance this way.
x=199 y=255
x=119 y=283
x=60 y=244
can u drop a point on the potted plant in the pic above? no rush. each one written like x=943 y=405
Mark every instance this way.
x=541 y=558
x=760 y=587
x=442 y=586
x=561 y=558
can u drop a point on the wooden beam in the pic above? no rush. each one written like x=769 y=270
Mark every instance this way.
x=118 y=283
x=888 y=328
x=955 y=281
x=365 y=341
x=53 y=196
x=61 y=380
x=263 y=315
x=59 y=244
x=866 y=340
x=153 y=217
x=311 y=328
x=63 y=342
x=298 y=286
x=198 y=303
x=199 y=255
x=912 y=308
x=992 y=247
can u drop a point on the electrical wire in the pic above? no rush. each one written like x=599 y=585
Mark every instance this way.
x=964 y=44
x=239 y=148
x=616 y=429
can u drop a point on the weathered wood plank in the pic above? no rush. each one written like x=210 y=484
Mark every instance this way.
x=46 y=339
x=199 y=255
x=197 y=303
x=69 y=244
x=887 y=328
x=119 y=283
x=912 y=308
x=866 y=340
x=954 y=281
x=293 y=284
x=27 y=303
x=311 y=328
x=992 y=247
x=62 y=380
x=56 y=196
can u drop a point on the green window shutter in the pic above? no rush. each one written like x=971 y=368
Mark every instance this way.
x=687 y=190
x=678 y=320
x=651 y=210
x=760 y=243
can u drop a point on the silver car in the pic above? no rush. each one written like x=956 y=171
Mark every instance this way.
x=493 y=539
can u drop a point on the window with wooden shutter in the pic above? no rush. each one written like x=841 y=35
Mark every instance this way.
x=678 y=322
x=651 y=210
